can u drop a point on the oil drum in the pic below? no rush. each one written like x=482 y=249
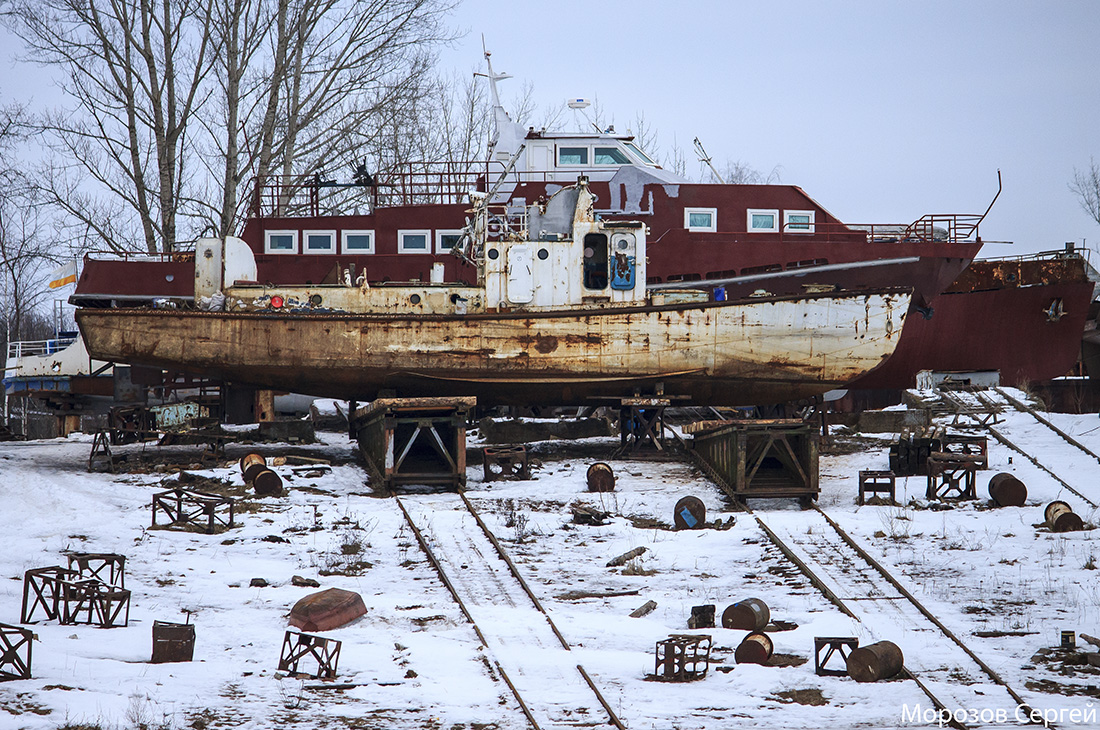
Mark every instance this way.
x=873 y=662
x=756 y=648
x=751 y=614
x=689 y=514
x=601 y=478
x=1007 y=491
x=1060 y=517
x=267 y=482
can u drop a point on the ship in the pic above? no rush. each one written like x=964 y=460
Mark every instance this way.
x=559 y=314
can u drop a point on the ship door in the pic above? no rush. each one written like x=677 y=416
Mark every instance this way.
x=623 y=249
x=521 y=280
x=595 y=261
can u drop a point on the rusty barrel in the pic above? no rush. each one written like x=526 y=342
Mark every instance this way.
x=1007 y=491
x=1060 y=517
x=873 y=662
x=751 y=614
x=267 y=482
x=756 y=648
x=689 y=514
x=601 y=478
x=251 y=465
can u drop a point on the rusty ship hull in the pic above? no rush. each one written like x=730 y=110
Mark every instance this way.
x=717 y=353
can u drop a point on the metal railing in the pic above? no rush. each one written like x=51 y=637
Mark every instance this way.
x=24 y=348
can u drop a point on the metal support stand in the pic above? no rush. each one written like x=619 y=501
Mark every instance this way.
x=65 y=597
x=641 y=422
x=952 y=477
x=108 y=568
x=682 y=658
x=15 y=652
x=194 y=509
x=876 y=482
x=840 y=645
x=505 y=462
x=296 y=646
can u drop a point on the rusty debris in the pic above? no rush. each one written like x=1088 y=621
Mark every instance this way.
x=326 y=610
x=702 y=617
x=62 y=595
x=185 y=509
x=505 y=462
x=876 y=483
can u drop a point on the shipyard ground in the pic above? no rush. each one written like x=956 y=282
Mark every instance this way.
x=1001 y=582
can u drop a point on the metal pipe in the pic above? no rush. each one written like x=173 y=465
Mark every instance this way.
x=707 y=283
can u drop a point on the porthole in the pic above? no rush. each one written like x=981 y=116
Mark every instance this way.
x=315 y=300
x=415 y=299
x=170 y=277
x=543 y=254
x=493 y=254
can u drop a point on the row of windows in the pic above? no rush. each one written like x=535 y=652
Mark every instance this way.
x=758 y=220
x=358 y=242
x=596 y=155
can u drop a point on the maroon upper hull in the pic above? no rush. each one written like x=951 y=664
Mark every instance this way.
x=1014 y=329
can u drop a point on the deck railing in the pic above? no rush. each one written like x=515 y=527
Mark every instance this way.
x=23 y=348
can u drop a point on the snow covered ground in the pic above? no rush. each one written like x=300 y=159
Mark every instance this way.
x=413 y=660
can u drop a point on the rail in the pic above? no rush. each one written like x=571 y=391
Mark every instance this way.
x=25 y=348
x=613 y=719
x=185 y=252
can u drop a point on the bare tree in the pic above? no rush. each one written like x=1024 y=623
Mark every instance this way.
x=134 y=72
x=1086 y=186
x=737 y=172
x=322 y=86
x=24 y=251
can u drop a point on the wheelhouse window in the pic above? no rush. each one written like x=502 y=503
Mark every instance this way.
x=414 y=241
x=595 y=261
x=798 y=221
x=638 y=151
x=572 y=156
x=763 y=221
x=446 y=240
x=281 y=242
x=609 y=156
x=319 y=241
x=357 y=242
x=701 y=219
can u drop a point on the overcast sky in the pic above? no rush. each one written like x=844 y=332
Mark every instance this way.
x=881 y=111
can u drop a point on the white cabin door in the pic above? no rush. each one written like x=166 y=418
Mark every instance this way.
x=521 y=282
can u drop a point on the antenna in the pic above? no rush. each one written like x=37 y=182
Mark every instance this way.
x=704 y=157
x=493 y=77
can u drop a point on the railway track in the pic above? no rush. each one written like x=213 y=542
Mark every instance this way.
x=527 y=649
x=951 y=675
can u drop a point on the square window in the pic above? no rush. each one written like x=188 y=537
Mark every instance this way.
x=701 y=219
x=281 y=242
x=446 y=240
x=763 y=221
x=572 y=156
x=413 y=241
x=798 y=221
x=319 y=241
x=357 y=242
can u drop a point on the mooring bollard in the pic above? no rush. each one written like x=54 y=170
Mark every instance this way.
x=873 y=662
